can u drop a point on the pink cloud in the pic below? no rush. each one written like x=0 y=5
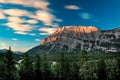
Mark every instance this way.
x=46 y=17
x=32 y=21
x=2 y=15
x=41 y=4
x=15 y=12
x=48 y=30
x=29 y=3
x=15 y=19
x=72 y=7
x=19 y=27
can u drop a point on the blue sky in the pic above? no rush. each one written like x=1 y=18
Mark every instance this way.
x=24 y=23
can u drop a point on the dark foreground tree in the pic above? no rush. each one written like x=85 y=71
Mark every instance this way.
x=26 y=68
x=83 y=57
x=37 y=68
x=62 y=67
x=102 y=73
x=9 y=69
x=75 y=72
x=47 y=74
x=118 y=71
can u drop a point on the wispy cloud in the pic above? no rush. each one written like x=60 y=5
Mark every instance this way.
x=2 y=15
x=32 y=34
x=44 y=33
x=15 y=19
x=41 y=4
x=46 y=17
x=15 y=12
x=19 y=27
x=25 y=26
x=72 y=7
x=32 y=21
x=38 y=40
x=14 y=39
x=86 y=15
x=20 y=32
x=48 y=30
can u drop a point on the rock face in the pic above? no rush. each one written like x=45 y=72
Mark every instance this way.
x=75 y=38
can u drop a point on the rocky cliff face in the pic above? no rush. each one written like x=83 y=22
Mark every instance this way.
x=76 y=38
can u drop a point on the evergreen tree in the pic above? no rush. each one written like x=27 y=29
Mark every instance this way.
x=9 y=66
x=47 y=74
x=75 y=72
x=102 y=73
x=37 y=68
x=118 y=67
x=2 y=71
x=67 y=71
x=62 y=67
x=26 y=69
x=83 y=56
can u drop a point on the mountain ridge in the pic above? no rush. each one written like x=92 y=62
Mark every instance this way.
x=76 y=38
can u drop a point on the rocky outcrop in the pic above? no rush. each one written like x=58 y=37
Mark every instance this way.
x=70 y=31
x=76 y=38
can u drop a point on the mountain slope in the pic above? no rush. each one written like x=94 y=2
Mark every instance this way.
x=75 y=38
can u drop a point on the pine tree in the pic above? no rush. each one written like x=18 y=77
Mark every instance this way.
x=2 y=70
x=9 y=66
x=47 y=74
x=37 y=68
x=75 y=72
x=67 y=70
x=62 y=67
x=102 y=73
x=26 y=68
x=83 y=56
x=118 y=71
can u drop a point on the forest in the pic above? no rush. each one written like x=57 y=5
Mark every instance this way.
x=43 y=68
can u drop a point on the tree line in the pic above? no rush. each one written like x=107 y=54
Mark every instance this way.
x=62 y=69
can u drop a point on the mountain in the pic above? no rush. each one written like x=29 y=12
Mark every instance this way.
x=76 y=38
x=3 y=50
x=15 y=52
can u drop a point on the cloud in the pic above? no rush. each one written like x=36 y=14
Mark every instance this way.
x=41 y=4
x=2 y=15
x=86 y=16
x=48 y=30
x=46 y=17
x=15 y=12
x=38 y=40
x=32 y=21
x=25 y=26
x=44 y=33
x=72 y=7
x=19 y=27
x=15 y=19
x=32 y=34
x=55 y=25
x=15 y=23
x=21 y=32
x=14 y=39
